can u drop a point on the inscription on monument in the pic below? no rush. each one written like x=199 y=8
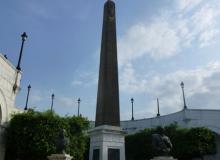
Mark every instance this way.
x=95 y=154
x=113 y=154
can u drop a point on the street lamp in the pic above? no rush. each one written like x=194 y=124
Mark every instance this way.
x=24 y=37
x=78 y=101
x=26 y=105
x=52 y=98
x=184 y=99
x=158 y=108
x=132 y=108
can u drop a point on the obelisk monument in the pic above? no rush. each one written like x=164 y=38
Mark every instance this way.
x=107 y=138
x=107 y=111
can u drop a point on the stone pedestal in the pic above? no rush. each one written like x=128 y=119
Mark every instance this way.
x=59 y=157
x=107 y=143
x=163 y=158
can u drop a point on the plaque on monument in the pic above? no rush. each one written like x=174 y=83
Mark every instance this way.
x=113 y=154
x=95 y=154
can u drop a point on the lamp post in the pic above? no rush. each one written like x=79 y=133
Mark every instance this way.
x=24 y=37
x=52 y=99
x=78 y=101
x=184 y=99
x=132 y=108
x=26 y=105
x=158 y=108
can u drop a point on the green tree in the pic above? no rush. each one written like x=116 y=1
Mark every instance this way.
x=201 y=142
x=33 y=135
x=187 y=143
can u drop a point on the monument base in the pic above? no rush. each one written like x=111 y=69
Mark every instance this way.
x=107 y=143
x=163 y=158
x=59 y=157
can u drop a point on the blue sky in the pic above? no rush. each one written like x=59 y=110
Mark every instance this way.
x=160 y=44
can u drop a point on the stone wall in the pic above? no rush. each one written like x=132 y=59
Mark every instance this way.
x=185 y=118
x=9 y=78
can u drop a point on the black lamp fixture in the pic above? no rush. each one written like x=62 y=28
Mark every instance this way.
x=52 y=99
x=184 y=99
x=78 y=101
x=158 y=108
x=26 y=105
x=132 y=109
x=23 y=38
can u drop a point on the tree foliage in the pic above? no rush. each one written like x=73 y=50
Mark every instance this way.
x=187 y=143
x=33 y=135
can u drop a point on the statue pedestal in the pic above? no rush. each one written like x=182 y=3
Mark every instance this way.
x=163 y=158
x=59 y=157
x=107 y=143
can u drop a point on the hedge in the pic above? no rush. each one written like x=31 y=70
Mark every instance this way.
x=33 y=135
x=187 y=143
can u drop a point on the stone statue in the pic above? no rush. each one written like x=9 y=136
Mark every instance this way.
x=161 y=143
x=62 y=142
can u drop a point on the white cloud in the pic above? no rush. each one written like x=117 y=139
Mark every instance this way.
x=35 y=96
x=161 y=84
x=188 y=4
x=84 y=79
x=204 y=18
x=190 y=24
x=158 y=39
x=43 y=100
x=199 y=82
x=65 y=101
x=171 y=32
x=207 y=37
x=77 y=83
x=129 y=82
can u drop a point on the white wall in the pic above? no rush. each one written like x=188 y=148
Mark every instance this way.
x=185 y=118
x=9 y=76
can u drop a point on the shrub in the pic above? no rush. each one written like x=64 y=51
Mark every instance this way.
x=187 y=143
x=33 y=135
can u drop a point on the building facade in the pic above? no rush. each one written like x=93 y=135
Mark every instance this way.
x=9 y=87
